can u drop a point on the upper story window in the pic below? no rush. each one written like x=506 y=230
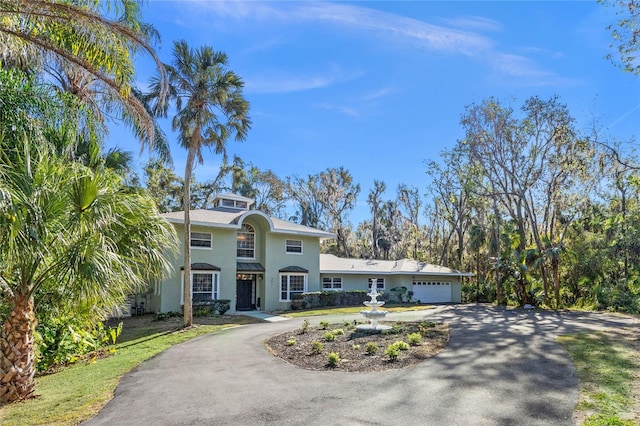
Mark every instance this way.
x=201 y=240
x=232 y=201
x=294 y=246
x=246 y=242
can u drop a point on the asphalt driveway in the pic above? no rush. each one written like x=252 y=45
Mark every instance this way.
x=502 y=367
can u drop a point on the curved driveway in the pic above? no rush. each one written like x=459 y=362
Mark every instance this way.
x=502 y=367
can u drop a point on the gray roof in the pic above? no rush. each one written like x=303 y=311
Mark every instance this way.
x=333 y=264
x=249 y=267
x=201 y=266
x=293 y=269
x=223 y=218
x=229 y=196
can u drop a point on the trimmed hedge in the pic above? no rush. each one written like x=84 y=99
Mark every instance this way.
x=211 y=307
x=319 y=299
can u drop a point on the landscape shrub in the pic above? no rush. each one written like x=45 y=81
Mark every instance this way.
x=392 y=352
x=317 y=347
x=329 y=336
x=425 y=326
x=333 y=359
x=319 y=299
x=349 y=325
x=160 y=316
x=323 y=325
x=63 y=340
x=415 y=339
x=371 y=348
x=304 y=327
x=403 y=346
x=355 y=347
x=291 y=341
x=338 y=332
x=211 y=307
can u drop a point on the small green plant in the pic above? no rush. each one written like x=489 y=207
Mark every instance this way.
x=401 y=345
x=317 y=348
x=323 y=325
x=415 y=339
x=398 y=328
x=356 y=347
x=392 y=352
x=203 y=311
x=291 y=341
x=165 y=315
x=371 y=348
x=424 y=326
x=304 y=327
x=329 y=336
x=349 y=325
x=338 y=332
x=333 y=359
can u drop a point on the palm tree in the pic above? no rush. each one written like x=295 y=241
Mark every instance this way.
x=65 y=225
x=210 y=108
x=93 y=54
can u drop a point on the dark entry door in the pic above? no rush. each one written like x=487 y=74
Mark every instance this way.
x=243 y=295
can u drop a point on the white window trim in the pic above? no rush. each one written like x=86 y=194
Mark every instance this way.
x=384 y=283
x=255 y=243
x=286 y=247
x=289 y=275
x=333 y=287
x=200 y=247
x=216 y=284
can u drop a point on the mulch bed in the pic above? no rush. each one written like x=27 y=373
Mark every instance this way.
x=351 y=346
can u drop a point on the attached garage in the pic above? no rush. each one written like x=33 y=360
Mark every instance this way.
x=429 y=283
x=432 y=291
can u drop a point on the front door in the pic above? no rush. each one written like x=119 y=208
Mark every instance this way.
x=243 y=295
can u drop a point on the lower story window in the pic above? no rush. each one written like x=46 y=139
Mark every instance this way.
x=379 y=283
x=291 y=284
x=204 y=286
x=332 y=283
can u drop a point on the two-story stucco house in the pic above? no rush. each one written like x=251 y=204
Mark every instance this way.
x=259 y=262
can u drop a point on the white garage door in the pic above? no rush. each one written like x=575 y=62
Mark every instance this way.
x=432 y=291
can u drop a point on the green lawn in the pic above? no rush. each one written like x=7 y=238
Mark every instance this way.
x=77 y=393
x=353 y=310
x=608 y=366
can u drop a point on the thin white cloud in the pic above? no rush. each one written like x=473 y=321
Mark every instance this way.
x=377 y=94
x=388 y=25
x=285 y=83
x=457 y=36
x=624 y=116
x=474 y=23
x=345 y=110
x=525 y=71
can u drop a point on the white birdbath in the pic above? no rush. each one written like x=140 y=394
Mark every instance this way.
x=373 y=314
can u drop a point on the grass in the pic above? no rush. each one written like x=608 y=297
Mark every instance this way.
x=353 y=310
x=78 y=392
x=608 y=366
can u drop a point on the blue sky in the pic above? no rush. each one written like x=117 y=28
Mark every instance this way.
x=379 y=87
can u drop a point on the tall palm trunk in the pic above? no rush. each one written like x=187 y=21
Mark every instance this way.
x=17 y=368
x=186 y=201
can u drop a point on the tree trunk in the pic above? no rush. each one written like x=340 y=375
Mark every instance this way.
x=17 y=367
x=187 y=314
